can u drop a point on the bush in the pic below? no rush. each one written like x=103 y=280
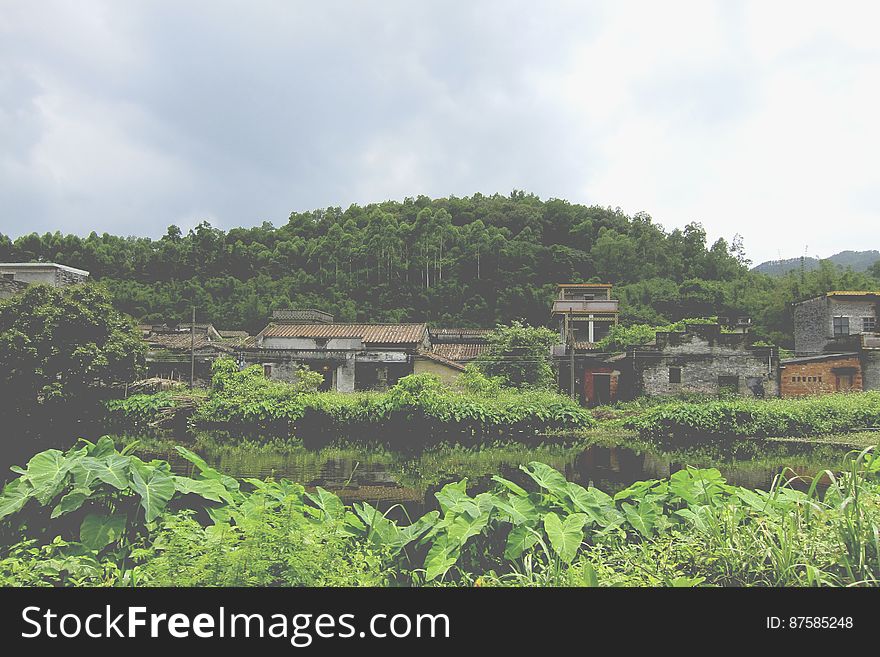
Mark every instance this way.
x=760 y=418
x=419 y=407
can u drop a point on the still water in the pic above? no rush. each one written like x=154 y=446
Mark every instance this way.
x=385 y=478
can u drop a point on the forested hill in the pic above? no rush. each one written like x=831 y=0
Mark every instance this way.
x=471 y=261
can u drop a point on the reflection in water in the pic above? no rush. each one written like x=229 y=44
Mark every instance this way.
x=386 y=479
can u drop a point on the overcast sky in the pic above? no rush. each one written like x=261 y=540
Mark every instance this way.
x=758 y=118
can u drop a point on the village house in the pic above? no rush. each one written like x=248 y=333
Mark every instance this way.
x=177 y=351
x=702 y=359
x=584 y=313
x=459 y=345
x=350 y=356
x=16 y=276
x=836 y=343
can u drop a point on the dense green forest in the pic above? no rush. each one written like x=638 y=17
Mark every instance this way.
x=473 y=261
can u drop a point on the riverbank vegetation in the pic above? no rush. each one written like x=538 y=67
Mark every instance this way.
x=97 y=516
x=480 y=408
x=684 y=421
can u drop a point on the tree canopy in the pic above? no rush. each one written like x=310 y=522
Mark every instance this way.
x=473 y=261
x=58 y=344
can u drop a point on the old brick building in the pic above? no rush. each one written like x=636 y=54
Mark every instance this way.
x=702 y=360
x=820 y=374
x=834 y=322
x=350 y=356
x=836 y=338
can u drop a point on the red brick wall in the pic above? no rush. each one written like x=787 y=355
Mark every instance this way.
x=798 y=379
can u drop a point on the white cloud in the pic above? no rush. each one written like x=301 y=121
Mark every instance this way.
x=757 y=118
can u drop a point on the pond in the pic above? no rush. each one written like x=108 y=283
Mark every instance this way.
x=410 y=478
x=388 y=478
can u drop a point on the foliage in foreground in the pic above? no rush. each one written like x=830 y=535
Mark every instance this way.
x=417 y=405
x=692 y=528
x=809 y=416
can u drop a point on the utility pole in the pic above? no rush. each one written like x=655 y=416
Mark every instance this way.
x=192 y=350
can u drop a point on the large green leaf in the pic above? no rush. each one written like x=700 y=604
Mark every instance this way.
x=71 y=502
x=381 y=530
x=464 y=527
x=329 y=504
x=597 y=506
x=519 y=509
x=565 y=536
x=46 y=472
x=453 y=497
x=15 y=495
x=642 y=517
x=441 y=557
x=546 y=477
x=210 y=489
x=111 y=469
x=155 y=485
x=516 y=489
x=97 y=532
x=520 y=539
x=206 y=471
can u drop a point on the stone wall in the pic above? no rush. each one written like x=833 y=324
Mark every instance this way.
x=871 y=369
x=704 y=355
x=812 y=326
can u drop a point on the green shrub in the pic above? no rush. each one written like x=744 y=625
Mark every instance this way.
x=760 y=418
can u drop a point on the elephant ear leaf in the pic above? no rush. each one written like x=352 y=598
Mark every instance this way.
x=565 y=536
x=71 y=502
x=329 y=504
x=210 y=489
x=111 y=469
x=546 y=477
x=15 y=495
x=642 y=517
x=520 y=539
x=46 y=472
x=154 y=485
x=441 y=557
x=97 y=532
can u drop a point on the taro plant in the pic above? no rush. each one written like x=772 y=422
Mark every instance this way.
x=95 y=502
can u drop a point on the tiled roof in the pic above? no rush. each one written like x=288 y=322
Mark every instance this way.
x=441 y=359
x=178 y=341
x=479 y=332
x=853 y=293
x=233 y=334
x=369 y=333
x=460 y=352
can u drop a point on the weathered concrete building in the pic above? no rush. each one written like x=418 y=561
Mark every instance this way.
x=350 y=356
x=833 y=322
x=835 y=337
x=16 y=276
x=702 y=360
x=584 y=313
x=427 y=362
x=174 y=351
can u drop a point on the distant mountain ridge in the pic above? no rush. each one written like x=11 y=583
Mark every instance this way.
x=857 y=260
